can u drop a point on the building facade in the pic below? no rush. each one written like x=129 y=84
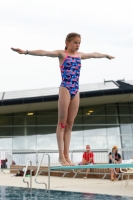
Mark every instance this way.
x=28 y=119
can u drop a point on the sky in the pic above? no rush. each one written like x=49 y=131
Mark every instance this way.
x=105 y=26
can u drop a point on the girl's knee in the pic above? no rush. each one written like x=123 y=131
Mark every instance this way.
x=62 y=123
x=69 y=125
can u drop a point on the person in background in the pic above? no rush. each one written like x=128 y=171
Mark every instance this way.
x=114 y=158
x=87 y=159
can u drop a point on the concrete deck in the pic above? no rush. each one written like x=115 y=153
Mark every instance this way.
x=89 y=185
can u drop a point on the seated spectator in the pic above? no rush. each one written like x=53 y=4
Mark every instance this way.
x=115 y=158
x=21 y=172
x=88 y=158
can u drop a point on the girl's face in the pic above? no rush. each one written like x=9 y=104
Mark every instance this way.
x=74 y=44
x=114 y=151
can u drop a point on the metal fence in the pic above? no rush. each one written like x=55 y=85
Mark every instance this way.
x=20 y=157
x=16 y=157
x=100 y=155
x=54 y=154
x=126 y=153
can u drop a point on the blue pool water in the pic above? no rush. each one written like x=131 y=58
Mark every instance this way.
x=17 y=193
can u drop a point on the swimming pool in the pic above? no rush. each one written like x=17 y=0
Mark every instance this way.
x=20 y=193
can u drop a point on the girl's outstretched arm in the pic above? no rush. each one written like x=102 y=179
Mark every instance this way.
x=56 y=53
x=94 y=55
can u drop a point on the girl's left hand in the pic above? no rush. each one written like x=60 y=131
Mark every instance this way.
x=110 y=57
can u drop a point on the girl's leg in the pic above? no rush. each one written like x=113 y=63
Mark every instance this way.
x=72 y=112
x=63 y=104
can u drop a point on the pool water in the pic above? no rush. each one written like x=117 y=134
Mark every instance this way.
x=20 y=193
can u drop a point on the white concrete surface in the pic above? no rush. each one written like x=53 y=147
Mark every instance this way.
x=98 y=186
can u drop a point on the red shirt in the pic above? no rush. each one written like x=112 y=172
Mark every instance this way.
x=89 y=155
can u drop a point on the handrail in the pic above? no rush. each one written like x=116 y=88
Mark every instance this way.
x=40 y=172
x=44 y=151
x=30 y=175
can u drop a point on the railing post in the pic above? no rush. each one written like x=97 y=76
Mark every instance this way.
x=48 y=172
x=30 y=175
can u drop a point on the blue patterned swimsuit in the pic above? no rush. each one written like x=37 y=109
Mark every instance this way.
x=70 y=72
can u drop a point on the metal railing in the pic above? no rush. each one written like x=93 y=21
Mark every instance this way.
x=100 y=156
x=39 y=171
x=53 y=158
x=30 y=175
x=22 y=156
x=16 y=157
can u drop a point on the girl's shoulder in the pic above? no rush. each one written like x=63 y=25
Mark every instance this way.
x=62 y=53
x=79 y=54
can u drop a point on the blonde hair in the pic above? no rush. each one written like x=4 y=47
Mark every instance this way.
x=70 y=37
x=114 y=147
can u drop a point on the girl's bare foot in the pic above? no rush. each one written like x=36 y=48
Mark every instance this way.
x=63 y=162
x=69 y=161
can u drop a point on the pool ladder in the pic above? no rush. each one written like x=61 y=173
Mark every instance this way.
x=37 y=175
x=30 y=175
x=38 y=172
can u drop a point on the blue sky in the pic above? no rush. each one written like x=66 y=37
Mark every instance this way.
x=105 y=27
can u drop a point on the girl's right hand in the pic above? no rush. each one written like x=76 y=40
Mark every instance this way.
x=20 y=51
